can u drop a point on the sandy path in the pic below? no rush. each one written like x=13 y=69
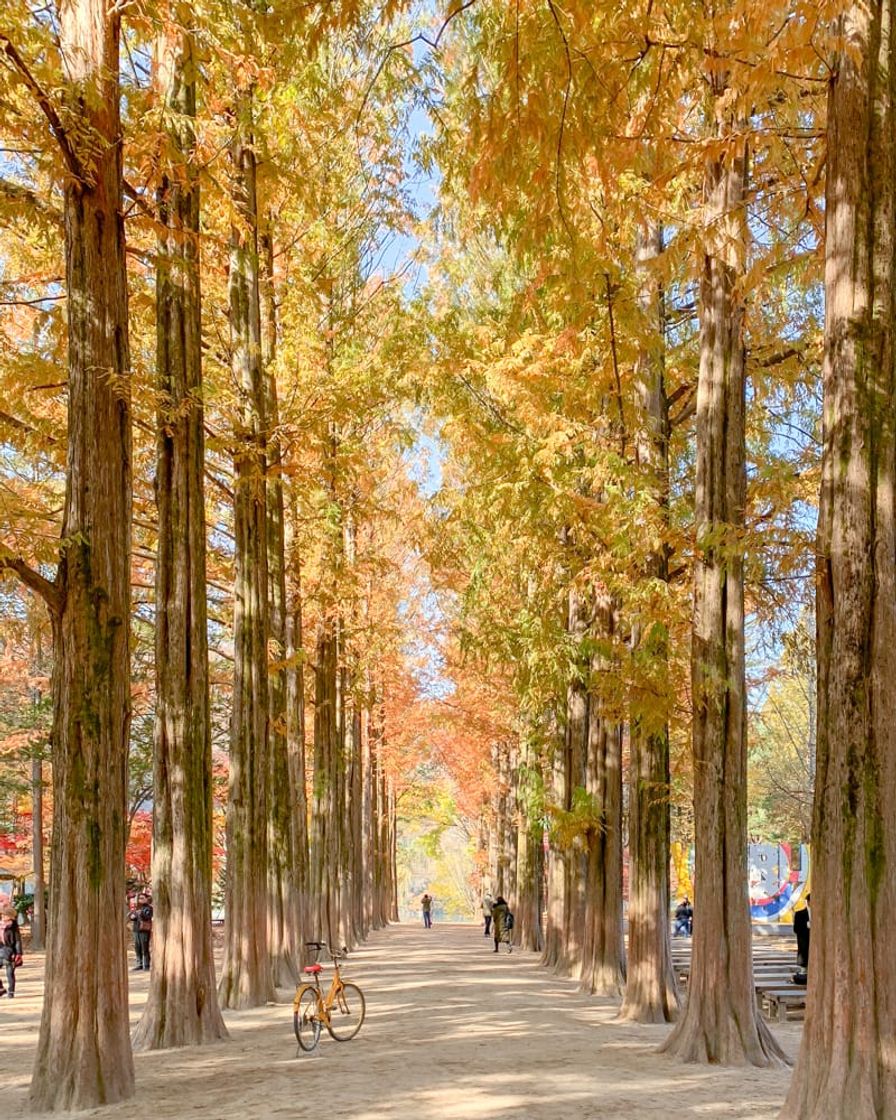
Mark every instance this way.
x=452 y=1032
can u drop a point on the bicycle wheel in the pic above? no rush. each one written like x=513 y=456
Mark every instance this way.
x=347 y=1013
x=305 y=1019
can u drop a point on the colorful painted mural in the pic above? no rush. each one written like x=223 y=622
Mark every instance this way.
x=778 y=876
x=779 y=880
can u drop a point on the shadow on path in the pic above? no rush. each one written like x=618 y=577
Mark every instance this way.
x=453 y=1032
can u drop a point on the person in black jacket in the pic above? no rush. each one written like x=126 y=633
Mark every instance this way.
x=140 y=918
x=10 y=950
x=501 y=923
x=684 y=918
x=801 y=927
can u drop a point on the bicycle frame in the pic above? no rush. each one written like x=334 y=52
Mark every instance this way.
x=326 y=1002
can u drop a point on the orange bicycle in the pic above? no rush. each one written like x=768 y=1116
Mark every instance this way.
x=341 y=1010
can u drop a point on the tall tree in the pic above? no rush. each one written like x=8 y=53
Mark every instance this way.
x=846 y=1066
x=182 y=1006
x=603 y=954
x=84 y=1054
x=651 y=993
x=284 y=932
x=246 y=979
x=720 y=1023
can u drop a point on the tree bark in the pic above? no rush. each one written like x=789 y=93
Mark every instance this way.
x=84 y=1052
x=182 y=1006
x=530 y=854
x=295 y=742
x=846 y=1065
x=246 y=979
x=510 y=758
x=720 y=1023
x=324 y=887
x=576 y=863
x=393 y=853
x=284 y=935
x=554 y=952
x=38 y=910
x=603 y=956
x=651 y=990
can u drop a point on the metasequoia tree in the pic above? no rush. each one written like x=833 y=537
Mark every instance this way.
x=84 y=1053
x=527 y=931
x=286 y=855
x=651 y=993
x=720 y=1023
x=182 y=1006
x=246 y=979
x=603 y=951
x=846 y=1064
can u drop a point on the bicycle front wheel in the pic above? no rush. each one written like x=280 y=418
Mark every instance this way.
x=347 y=1013
x=305 y=1018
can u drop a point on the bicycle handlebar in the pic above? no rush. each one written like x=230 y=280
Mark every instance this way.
x=334 y=953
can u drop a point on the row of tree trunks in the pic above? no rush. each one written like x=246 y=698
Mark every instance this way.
x=90 y=1063
x=352 y=875
x=182 y=1007
x=583 y=932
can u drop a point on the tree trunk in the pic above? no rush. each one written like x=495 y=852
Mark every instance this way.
x=355 y=799
x=368 y=826
x=84 y=1051
x=720 y=1023
x=295 y=741
x=510 y=758
x=603 y=959
x=393 y=853
x=182 y=1006
x=284 y=936
x=530 y=854
x=381 y=838
x=576 y=864
x=38 y=909
x=651 y=990
x=324 y=886
x=846 y=1066
x=554 y=952
x=246 y=977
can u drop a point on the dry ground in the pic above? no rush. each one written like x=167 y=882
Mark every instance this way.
x=452 y=1032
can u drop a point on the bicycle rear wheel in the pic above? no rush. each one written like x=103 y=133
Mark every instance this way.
x=347 y=1013
x=305 y=1019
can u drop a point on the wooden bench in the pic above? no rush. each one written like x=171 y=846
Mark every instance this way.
x=782 y=1004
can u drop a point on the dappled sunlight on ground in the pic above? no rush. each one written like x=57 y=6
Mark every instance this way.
x=453 y=1032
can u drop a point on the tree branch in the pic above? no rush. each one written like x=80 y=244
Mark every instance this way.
x=49 y=109
x=24 y=196
x=33 y=580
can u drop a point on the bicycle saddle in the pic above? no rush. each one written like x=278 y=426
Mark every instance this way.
x=313 y=968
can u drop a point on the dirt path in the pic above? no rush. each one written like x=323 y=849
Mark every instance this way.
x=452 y=1032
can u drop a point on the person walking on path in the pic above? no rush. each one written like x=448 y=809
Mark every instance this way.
x=426 y=903
x=802 y=920
x=10 y=950
x=501 y=923
x=140 y=918
x=487 y=903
